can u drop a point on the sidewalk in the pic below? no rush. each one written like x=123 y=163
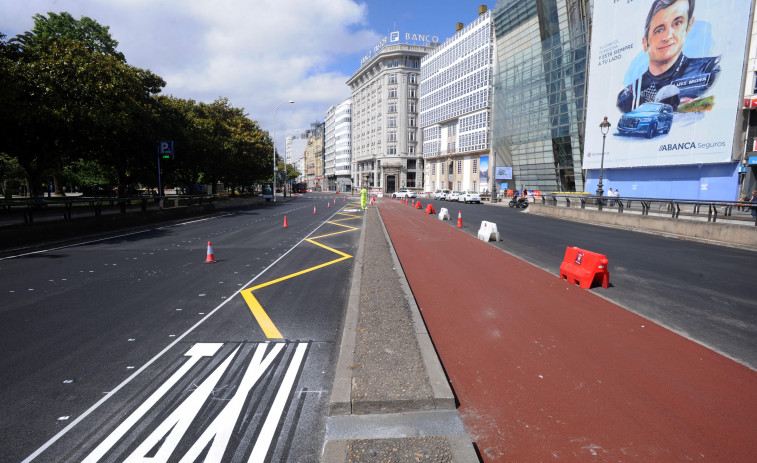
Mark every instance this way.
x=391 y=400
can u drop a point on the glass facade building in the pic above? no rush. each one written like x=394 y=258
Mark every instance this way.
x=539 y=92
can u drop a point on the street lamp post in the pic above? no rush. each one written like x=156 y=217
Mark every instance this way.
x=604 y=127
x=275 y=167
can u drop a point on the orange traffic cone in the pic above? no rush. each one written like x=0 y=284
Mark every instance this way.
x=328 y=204
x=344 y=198
x=210 y=259
x=418 y=205
x=313 y=209
x=459 y=219
x=371 y=201
x=285 y=222
x=430 y=209
x=334 y=200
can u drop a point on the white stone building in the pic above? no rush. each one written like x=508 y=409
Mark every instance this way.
x=337 y=157
x=386 y=138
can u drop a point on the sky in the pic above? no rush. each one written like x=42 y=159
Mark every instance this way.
x=256 y=53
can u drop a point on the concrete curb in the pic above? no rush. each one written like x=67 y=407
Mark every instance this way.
x=340 y=401
x=443 y=399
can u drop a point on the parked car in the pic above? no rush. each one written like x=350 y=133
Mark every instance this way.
x=404 y=194
x=441 y=194
x=650 y=119
x=452 y=195
x=469 y=196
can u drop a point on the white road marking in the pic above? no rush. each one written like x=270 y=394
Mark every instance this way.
x=195 y=353
x=265 y=437
x=160 y=354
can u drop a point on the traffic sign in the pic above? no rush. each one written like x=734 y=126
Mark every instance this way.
x=165 y=149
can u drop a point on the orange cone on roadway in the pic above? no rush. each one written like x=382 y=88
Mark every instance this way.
x=313 y=209
x=430 y=209
x=418 y=205
x=211 y=258
x=459 y=219
x=285 y=222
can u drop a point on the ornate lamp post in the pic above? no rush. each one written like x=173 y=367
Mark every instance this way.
x=604 y=127
x=275 y=167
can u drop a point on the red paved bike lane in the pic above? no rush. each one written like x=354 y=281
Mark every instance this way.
x=545 y=370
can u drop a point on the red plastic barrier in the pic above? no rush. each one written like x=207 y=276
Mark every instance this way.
x=584 y=267
x=509 y=193
x=537 y=194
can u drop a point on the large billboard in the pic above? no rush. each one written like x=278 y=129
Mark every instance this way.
x=667 y=75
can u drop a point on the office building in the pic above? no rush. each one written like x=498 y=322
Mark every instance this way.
x=455 y=109
x=539 y=94
x=337 y=153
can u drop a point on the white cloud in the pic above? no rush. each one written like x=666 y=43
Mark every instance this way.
x=257 y=53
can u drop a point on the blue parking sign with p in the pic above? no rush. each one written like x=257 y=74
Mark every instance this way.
x=165 y=149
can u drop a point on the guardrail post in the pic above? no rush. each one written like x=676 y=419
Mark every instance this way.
x=620 y=207
x=67 y=209
x=554 y=200
x=599 y=203
x=567 y=202
x=645 y=206
x=583 y=203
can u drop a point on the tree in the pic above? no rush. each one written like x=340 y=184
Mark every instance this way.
x=95 y=37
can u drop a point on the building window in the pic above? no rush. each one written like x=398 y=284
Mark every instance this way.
x=442 y=168
x=392 y=122
x=475 y=166
x=433 y=168
x=754 y=90
x=411 y=107
x=411 y=122
x=474 y=186
x=392 y=136
x=392 y=93
x=411 y=149
x=412 y=78
x=411 y=136
x=459 y=186
x=391 y=150
x=413 y=93
x=411 y=163
x=411 y=179
x=392 y=107
x=392 y=78
x=459 y=167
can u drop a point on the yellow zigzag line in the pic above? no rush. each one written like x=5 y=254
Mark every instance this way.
x=260 y=315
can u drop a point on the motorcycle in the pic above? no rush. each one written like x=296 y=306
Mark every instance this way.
x=519 y=201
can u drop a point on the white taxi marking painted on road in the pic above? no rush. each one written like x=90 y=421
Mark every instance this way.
x=197 y=352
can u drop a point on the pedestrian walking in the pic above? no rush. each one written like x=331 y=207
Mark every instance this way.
x=609 y=196
x=753 y=200
x=617 y=195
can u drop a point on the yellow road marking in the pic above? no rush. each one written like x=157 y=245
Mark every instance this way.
x=257 y=310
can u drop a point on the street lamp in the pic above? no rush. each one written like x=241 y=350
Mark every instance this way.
x=604 y=127
x=275 y=167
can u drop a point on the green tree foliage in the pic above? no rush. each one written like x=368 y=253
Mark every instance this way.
x=95 y=37
x=73 y=109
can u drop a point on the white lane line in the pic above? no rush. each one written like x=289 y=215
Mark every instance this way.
x=109 y=238
x=110 y=394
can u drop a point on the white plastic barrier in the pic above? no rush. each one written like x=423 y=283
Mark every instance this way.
x=444 y=214
x=487 y=231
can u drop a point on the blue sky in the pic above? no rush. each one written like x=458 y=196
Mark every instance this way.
x=257 y=53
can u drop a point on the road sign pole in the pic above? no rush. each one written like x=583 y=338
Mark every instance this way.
x=160 y=188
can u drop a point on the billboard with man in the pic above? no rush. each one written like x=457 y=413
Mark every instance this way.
x=667 y=74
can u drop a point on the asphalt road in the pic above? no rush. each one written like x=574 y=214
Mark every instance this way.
x=136 y=347
x=702 y=291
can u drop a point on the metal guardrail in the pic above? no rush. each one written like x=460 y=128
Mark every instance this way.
x=66 y=207
x=675 y=208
